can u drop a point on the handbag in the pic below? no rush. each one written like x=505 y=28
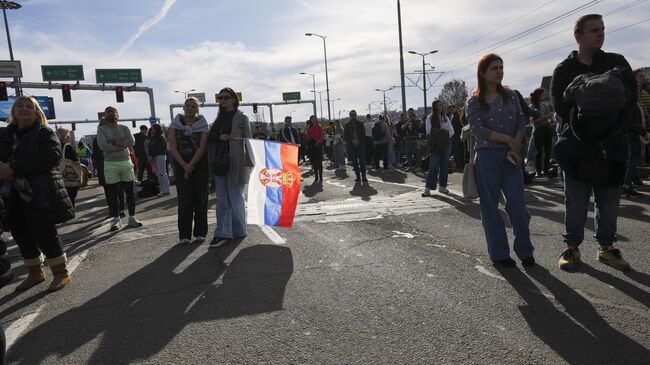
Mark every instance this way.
x=470 y=189
x=70 y=171
x=221 y=162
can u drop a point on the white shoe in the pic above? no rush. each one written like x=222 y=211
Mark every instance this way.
x=199 y=240
x=184 y=242
x=134 y=223
x=443 y=190
x=116 y=224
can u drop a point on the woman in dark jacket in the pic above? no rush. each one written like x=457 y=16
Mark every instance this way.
x=158 y=155
x=34 y=192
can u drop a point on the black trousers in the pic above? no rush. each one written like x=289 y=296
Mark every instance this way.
x=192 y=192
x=381 y=153
x=32 y=239
x=144 y=165
x=370 y=150
x=72 y=194
x=543 y=138
x=113 y=193
x=316 y=159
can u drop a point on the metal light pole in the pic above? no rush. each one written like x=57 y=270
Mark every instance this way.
x=12 y=6
x=328 y=102
x=424 y=76
x=327 y=82
x=320 y=97
x=384 y=92
x=401 y=56
x=184 y=93
x=313 y=78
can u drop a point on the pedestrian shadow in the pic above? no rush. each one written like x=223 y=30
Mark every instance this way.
x=577 y=333
x=389 y=175
x=365 y=191
x=632 y=291
x=313 y=189
x=138 y=317
x=341 y=174
x=639 y=277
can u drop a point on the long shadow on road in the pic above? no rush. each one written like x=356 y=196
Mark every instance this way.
x=139 y=316
x=579 y=336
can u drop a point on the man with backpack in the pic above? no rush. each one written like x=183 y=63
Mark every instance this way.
x=380 y=138
x=592 y=148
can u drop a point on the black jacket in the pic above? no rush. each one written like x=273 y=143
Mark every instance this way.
x=286 y=133
x=140 y=153
x=36 y=159
x=350 y=128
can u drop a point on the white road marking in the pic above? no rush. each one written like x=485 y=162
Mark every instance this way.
x=402 y=234
x=273 y=235
x=487 y=272
x=336 y=183
x=16 y=329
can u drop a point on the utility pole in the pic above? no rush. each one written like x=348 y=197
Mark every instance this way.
x=401 y=56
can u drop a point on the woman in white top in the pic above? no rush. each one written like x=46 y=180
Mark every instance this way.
x=438 y=161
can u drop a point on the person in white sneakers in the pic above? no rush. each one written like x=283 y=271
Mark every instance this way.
x=114 y=140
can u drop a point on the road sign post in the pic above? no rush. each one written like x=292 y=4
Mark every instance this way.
x=118 y=75
x=295 y=95
x=62 y=72
x=10 y=69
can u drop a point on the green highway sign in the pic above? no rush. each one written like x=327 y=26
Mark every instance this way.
x=291 y=96
x=118 y=75
x=62 y=72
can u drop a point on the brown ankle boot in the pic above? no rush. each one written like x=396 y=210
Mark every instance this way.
x=35 y=276
x=61 y=277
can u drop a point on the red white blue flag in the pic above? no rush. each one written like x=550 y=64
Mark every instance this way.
x=274 y=184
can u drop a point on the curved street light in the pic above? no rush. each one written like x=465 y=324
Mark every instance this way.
x=384 y=92
x=313 y=78
x=424 y=75
x=184 y=93
x=327 y=82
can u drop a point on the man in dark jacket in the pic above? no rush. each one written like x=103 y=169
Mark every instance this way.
x=355 y=137
x=140 y=153
x=589 y=32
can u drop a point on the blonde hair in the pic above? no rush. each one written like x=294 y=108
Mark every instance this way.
x=64 y=135
x=193 y=99
x=40 y=115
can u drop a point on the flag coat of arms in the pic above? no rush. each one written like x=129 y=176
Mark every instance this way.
x=274 y=184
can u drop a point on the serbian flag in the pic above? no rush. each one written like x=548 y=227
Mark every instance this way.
x=274 y=184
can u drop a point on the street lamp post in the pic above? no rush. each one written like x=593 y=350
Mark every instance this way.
x=328 y=102
x=384 y=92
x=327 y=82
x=313 y=78
x=12 y=6
x=184 y=93
x=320 y=98
x=424 y=76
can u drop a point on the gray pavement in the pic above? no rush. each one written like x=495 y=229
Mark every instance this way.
x=371 y=274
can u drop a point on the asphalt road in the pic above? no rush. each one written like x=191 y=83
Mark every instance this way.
x=370 y=274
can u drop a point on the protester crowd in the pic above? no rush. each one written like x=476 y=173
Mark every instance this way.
x=497 y=139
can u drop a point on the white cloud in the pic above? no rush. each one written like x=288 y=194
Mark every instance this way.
x=147 y=24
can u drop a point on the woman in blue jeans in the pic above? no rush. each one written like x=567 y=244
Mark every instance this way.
x=228 y=133
x=438 y=162
x=497 y=122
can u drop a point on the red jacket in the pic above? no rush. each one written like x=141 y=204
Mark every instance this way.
x=315 y=132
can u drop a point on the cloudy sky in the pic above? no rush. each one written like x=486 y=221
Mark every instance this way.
x=258 y=47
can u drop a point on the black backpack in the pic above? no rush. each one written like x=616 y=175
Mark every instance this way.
x=378 y=132
x=149 y=188
x=599 y=99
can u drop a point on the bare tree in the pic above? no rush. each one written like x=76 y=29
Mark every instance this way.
x=454 y=92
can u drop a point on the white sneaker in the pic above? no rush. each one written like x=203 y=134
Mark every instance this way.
x=199 y=240
x=184 y=242
x=116 y=224
x=134 y=223
x=443 y=190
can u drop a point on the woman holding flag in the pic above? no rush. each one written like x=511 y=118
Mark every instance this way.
x=231 y=167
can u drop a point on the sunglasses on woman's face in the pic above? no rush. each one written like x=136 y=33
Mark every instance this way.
x=224 y=97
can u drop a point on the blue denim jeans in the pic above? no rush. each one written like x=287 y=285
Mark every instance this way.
x=438 y=168
x=577 y=196
x=494 y=175
x=231 y=209
x=358 y=157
